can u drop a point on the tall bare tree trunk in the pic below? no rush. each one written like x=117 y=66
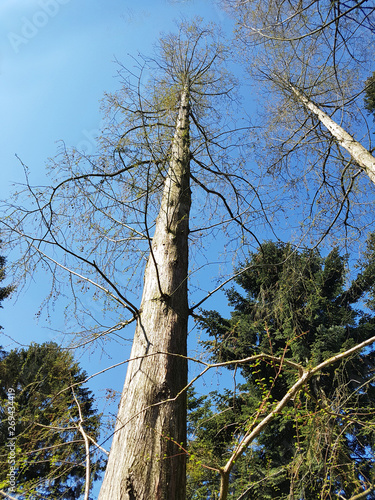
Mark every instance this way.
x=145 y=461
x=358 y=152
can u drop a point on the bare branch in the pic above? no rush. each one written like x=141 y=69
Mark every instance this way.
x=87 y=446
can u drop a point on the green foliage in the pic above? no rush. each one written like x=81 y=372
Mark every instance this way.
x=5 y=291
x=298 y=306
x=50 y=451
x=202 y=483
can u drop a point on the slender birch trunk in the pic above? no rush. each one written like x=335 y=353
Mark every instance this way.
x=145 y=462
x=358 y=152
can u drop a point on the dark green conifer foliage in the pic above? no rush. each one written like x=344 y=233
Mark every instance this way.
x=5 y=291
x=50 y=453
x=295 y=304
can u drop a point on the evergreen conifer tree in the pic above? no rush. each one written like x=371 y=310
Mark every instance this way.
x=5 y=291
x=49 y=403
x=296 y=305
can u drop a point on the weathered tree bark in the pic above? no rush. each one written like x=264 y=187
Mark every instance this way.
x=146 y=461
x=358 y=152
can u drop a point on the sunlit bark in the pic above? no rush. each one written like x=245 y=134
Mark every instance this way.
x=358 y=152
x=145 y=460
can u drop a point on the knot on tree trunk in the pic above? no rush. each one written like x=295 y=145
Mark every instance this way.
x=129 y=488
x=163 y=392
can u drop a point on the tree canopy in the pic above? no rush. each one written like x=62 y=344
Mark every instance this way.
x=5 y=291
x=297 y=305
x=49 y=402
x=308 y=63
x=369 y=99
x=194 y=184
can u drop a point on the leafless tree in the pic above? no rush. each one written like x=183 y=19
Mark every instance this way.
x=171 y=169
x=313 y=59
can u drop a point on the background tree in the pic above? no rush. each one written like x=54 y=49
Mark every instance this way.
x=298 y=306
x=312 y=60
x=5 y=291
x=49 y=398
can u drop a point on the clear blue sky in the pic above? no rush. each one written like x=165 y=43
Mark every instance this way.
x=57 y=59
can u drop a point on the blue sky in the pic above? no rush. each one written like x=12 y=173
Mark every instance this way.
x=57 y=59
